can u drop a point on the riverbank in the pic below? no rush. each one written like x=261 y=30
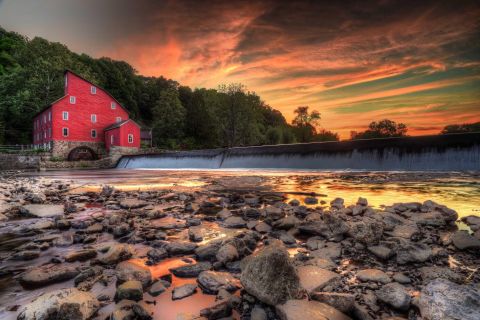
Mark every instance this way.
x=232 y=245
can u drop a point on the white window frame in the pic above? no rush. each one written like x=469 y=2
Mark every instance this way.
x=65 y=115
x=93 y=118
x=93 y=133
x=44 y=118
x=93 y=90
x=49 y=132
x=50 y=116
x=130 y=138
x=112 y=139
x=73 y=100
x=113 y=105
x=44 y=134
x=118 y=119
x=63 y=132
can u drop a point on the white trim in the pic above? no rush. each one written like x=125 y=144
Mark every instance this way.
x=130 y=135
x=113 y=105
x=49 y=115
x=73 y=100
x=118 y=119
x=93 y=90
x=63 y=132
x=93 y=118
x=65 y=115
x=112 y=139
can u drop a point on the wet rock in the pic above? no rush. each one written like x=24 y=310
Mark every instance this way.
x=341 y=301
x=127 y=271
x=94 y=228
x=158 y=287
x=395 y=295
x=258 y=313
x=88 y=274
x=25 y=255
x=80 y=255
x=211 y=281
x=234 y=222
x=180 y=248
x=47 y=274
x=208 y=207
x=337 y=203
x=324 y=263
x=116 y=252
x=43 y=210
x=367 y=231
x=413 y=252
x=330 y=227
x=262 y=227
x=362 y=202
x=401 y=278
x=141 y=312
x=208 y=251
x=274 y=212
x=330 y=250
x=311 y=200
x=472 y=221
x=42 y=225
x=121 y=230
x=65 y=240
x=157 y=254
x=407 y=231
x=191 y=270
x=382 y=252
x=434 y=272
x=286 y=223
x=294 y=203
x=304 y=309
x=218 y=311
x=448 y=214
x=313 y=278
x=123 y=310
x=183 y=291
x=462 y=240
x=270 y=276
x=62 y=224
x=287 y=238
x=132 y=203
x=227 y=253
x=64 y=304
x=251 y=213
x=130 y=290
x=195 y=234
x=224 y=214
x=373 y=275
x=442 y=299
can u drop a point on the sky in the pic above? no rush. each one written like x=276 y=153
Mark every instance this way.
x=416 y=62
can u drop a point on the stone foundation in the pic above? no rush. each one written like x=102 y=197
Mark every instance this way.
x=61 y=149
x=116 y=152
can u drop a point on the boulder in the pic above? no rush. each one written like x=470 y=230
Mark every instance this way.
x=180 y=248
x=227 y=253
x=382 y=252
x=373 y=275
x=116 y=252
x=343 y=302
x=127 y=271
x=406 y=231
x=158 y=287
x=69 y=303
x=313 y=278
x=395 y=295
x=270 y=276
x=191 y=270
x=413 y=252
x=211 y=281
x=156 y=255
x=130 y=290
x=434 y=272
x=132 y=203
x=43 y=210
x=442 y=299
x=80 y=255
x=183 y=291
x=462 y=240
x=304 y=309
x=47 y=274
x=234 y=222
x=367 y=231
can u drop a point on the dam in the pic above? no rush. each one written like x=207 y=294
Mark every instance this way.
x=452 y=152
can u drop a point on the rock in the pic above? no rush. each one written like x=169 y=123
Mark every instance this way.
x=121 y=230
x=310 y=200
x=130 y=290
x=127 y=271
x=373 y=275
x=234 y=222
x=42 y=225
x=462 y=240
x=341 y=301
x=224 y=214
x=65 y=240
x=227 y=253
x=116 y=252
x=123 y=310
x=69 y=303
x=43 y=210
x=367 y=231
x=442 y=299
x=395 y=295
x=94 y=228
x=132 y=203
x=431 y=273
x=270 y=276
x=337 y=203
x=158 y=287
x=362 y=202
x=381 y=252
x=25 y=255
x=294 y=203
x=157 y=255
x=313 y=278
x=218 y=311
x=286 y=223
x=304 y=309
x=88 y=274
x=62 y=224
x=180 y=248
x=208 y=251
x=330 y=227
x=140 y=310
x=191 y=270
x=330 y=250
x=448 y=214
x=80 y=255
x=413 y=252
x=47 y=274
x=406 y=231
x=274 y=212
x=324 y=263
x=262 y=227
x=183 y=291
x=195 y=234
x=211 y=281
x=401 y=278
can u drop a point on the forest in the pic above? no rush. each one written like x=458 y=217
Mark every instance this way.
x=31 y=77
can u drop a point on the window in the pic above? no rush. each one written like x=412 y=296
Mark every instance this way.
x=49 y=132
x=44 y=118
x=130 y=138
x=66 y=81
x=93 y=117
x=112 y=139
x=65 y=115
x=65 y=132
x=73 y=100
x=44 y=134
x=118 y=119
x=94 y=133
x=113 y=105
x=50 y=116
x=93 y=90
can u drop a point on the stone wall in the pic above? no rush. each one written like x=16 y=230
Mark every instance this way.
x=61 y=149
x=19 y=162
x=116 y=152
x=96 y=164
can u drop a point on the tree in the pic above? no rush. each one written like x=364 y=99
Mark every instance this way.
x=461 y=128
x=381 y=129
x=169 y=119
x=305 y=123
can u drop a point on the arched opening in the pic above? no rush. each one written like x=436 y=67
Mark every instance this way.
x=82 y=153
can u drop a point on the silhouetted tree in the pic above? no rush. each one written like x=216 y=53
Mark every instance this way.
x=381 y=129
x=461 y=128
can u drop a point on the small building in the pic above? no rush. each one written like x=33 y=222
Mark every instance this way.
x=86 y=123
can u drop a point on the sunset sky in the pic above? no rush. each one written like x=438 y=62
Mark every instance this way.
x=416 y=62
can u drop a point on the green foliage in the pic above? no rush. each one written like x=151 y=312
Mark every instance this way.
x=31 y=77
x=381 y=129
x=461 y=128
